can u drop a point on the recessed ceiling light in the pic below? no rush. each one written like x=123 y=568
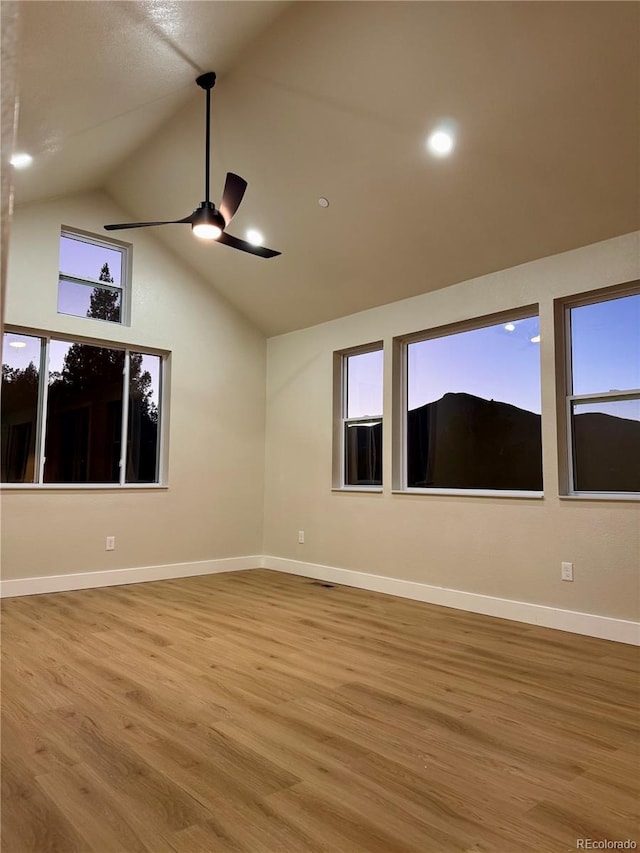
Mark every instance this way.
x=509 y=327
x=255 y=237
x=17 y=344
x=21 y=160
x=323 y=202
x=440 y=143
x=535 y=339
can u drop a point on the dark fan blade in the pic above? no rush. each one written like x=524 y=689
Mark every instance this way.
x=234 y=188
x=237 y=243
x=147 y=224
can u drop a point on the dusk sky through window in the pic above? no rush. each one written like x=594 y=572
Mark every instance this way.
x=493 y=362
x=364 y=384
x=499 y=362
x=85 y=260
x=22 y=357
x=605 y=346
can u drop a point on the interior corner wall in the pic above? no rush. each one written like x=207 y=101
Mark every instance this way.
x=503 y=547
x=213 y=507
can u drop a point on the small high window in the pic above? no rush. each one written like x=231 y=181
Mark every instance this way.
x=603 y=394
x=93 y=277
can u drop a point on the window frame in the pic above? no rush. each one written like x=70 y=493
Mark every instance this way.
x=341 y=421
x=41 y=415
x=124 y=289
x=401 y=395
x=564 y=385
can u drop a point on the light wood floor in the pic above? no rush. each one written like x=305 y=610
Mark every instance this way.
x=263 y=713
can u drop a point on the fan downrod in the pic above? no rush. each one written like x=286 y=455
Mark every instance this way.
x=207 y=81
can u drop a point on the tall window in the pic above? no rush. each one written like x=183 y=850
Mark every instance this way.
x=361 y=433
x=79 y=413
x=92 y=279
x=603 y=394
x=472 y=408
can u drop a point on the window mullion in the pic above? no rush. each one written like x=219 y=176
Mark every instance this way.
x=43 y=402
x=404 y=479
x=90 y=282
x=631 y=394
x=159 y=473
x=571 y=468
x=345 y=411
x=125 y=418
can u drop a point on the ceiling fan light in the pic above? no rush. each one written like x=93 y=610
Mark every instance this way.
x=205 y=231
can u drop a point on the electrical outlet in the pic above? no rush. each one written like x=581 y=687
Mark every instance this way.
x=566 y=571
x=300 y=537
x=110 y=544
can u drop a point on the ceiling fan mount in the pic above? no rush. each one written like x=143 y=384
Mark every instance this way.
x=207 y=221
x=207 y=80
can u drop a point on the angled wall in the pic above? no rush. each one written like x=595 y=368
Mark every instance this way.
x=212 y=507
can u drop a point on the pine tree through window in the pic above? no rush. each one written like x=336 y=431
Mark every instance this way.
x=91 y=282
x=94 y=419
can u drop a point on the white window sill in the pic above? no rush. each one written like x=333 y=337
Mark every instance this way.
x=374 y=489
x=471 y=493
x=100 y=487
x=601 y=496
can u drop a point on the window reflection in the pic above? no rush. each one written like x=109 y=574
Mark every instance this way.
x=363 y=453
x=606 y=446
x=144 y=406
x=82 y=300
x=20 y=381
x=362 y=418
x=84 y=414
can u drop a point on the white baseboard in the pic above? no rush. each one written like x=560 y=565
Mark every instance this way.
x=603 y=627
x=589 y=624
x=116 y=577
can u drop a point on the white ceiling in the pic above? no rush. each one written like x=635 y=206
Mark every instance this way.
x=335 y=99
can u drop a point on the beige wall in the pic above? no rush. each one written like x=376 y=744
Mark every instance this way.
x=505 y=547
x=213 y=506
x=218 y=498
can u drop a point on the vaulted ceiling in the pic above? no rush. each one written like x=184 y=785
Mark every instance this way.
x=335 y=99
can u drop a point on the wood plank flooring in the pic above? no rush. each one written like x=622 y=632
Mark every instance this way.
x=257 y=712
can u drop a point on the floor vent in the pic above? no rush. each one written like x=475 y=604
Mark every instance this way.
x=325 y=585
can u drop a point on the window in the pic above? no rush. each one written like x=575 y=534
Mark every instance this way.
x=74 y=412
x=472 y=407
x=603 y=394
x=360 y=418
x=92 y=277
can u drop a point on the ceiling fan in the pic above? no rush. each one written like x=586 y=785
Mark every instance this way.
x=208 y=222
